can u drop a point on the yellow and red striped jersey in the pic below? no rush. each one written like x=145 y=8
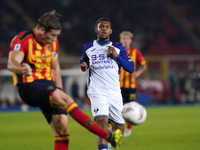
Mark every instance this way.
x=126 y=80
x=37 y=55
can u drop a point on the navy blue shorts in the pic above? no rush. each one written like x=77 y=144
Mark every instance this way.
x=128 y=94
x=36 y=94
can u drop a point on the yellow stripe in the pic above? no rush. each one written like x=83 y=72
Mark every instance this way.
x=72 y=106
x=133 y=82
x=62 y=138
x=14 y=51
x=121 y=76
x=14 y=79
x=55 y=58
x=127 y=74
x=143 y=62
x=54 y=45
x=30 y=47
x=39 y=63
x=12 y=41
x=47 y=64
x=133 y=57
x=54 y=49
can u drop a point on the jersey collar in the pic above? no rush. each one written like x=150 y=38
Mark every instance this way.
x=103 y=43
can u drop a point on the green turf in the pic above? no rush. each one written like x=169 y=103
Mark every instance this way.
x=166 y=128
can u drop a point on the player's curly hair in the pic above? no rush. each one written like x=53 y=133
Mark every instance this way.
x=49 y=21
x=103 y=19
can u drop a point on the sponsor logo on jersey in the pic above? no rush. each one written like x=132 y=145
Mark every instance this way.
x=102 y=67
x=17 y=47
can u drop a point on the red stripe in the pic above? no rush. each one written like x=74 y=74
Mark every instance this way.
x=34 y=76
x=50 y=98
x=57 y=45
x=124 y=78
x=34 y=61
x=24 y=79
x=43 y=73
x=44 y=62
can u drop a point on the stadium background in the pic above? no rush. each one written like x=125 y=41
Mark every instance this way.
x=166 y=31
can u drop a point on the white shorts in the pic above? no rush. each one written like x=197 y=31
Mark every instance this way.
x=107 y=106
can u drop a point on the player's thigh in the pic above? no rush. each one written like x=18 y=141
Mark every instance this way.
x=102 y=122
x=60 y=99
x=99 y=106
x=37 y=92
x=49 y=111
x=115 y=110
x=59 y=124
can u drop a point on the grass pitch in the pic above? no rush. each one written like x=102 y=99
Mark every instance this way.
x=166 y=128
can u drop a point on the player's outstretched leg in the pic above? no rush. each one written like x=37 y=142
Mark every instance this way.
x=60 y=99
x=114 y=138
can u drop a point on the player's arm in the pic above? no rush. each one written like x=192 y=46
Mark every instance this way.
x=56 y=73
x=138 y=72
x=128 y=65
x=123 y=58
x=84 y=62
x=15 y=64
x=143 y=65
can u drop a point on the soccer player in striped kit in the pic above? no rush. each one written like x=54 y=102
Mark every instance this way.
x=127 y=80
x=33 y=59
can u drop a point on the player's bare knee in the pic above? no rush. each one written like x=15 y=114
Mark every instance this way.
x=61 y=99
x=102 y=122
x=60 y=124
x=67 y=99
x=63 y=130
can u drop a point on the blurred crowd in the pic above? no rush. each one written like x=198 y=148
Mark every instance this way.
x=78 y=19
x=144 y=18
x=189 y=13
x=181 y=88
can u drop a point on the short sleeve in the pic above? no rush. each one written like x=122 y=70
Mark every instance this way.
x=17 y=45
x=140 y=58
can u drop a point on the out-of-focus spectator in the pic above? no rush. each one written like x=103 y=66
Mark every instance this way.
x=152 y=86
x=195 y=78
x=182 y=92
x=75 y=90
x=173 y=80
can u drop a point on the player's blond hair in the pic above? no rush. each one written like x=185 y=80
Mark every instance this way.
x=127 y=33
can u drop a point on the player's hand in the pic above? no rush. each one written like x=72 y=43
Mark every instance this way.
x=135 y=74
x=83 y=66
x=26 y=69
x=112 y=52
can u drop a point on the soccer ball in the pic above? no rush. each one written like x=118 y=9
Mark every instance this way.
x=134 y=113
